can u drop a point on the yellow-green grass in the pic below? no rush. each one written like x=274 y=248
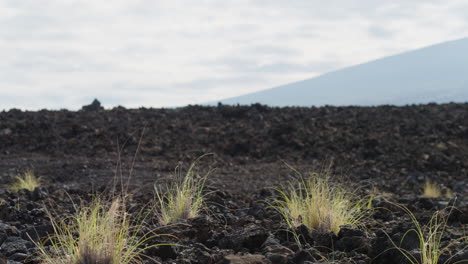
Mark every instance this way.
x=318 y=204
x=433 y=190
x=182 y=198
x=429 y=238
x=98 y=233
x=26 y=181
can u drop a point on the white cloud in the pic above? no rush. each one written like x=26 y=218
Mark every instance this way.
x=61 y=53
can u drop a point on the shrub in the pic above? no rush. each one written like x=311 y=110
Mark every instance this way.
x=318 y=204
x=27 y=181
x=182 y=198
x=96 y=234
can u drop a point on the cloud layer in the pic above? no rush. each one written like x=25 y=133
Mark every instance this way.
x=63 y=53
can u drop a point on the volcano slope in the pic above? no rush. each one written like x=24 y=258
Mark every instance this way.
x=387 y=151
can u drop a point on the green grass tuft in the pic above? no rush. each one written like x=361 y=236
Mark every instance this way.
x=431 y=190
x=182 y=198
x=98 y=233
x=430 y=238
x=319 y=205
x=27 y=181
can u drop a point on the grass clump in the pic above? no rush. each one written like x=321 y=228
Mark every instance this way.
x=430 y=238
x=431 y=190
x=98 y=233
x=319 y=205
x=26 y=181
x=182 y=198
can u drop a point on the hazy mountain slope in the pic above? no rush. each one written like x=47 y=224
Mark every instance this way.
x=437 y=73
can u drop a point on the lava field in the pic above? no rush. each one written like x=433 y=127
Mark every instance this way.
x=388 y=151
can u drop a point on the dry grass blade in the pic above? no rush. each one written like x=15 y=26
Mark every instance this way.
x=430 y=238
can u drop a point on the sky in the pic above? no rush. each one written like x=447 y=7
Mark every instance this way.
x=161 y=53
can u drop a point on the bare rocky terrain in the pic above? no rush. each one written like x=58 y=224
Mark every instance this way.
x=390 y=149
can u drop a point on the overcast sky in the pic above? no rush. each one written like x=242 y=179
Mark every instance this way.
x=63 y=53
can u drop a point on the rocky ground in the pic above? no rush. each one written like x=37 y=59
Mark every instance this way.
x=393 y=150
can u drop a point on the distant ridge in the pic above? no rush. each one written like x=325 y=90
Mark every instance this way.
x=437 y=73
